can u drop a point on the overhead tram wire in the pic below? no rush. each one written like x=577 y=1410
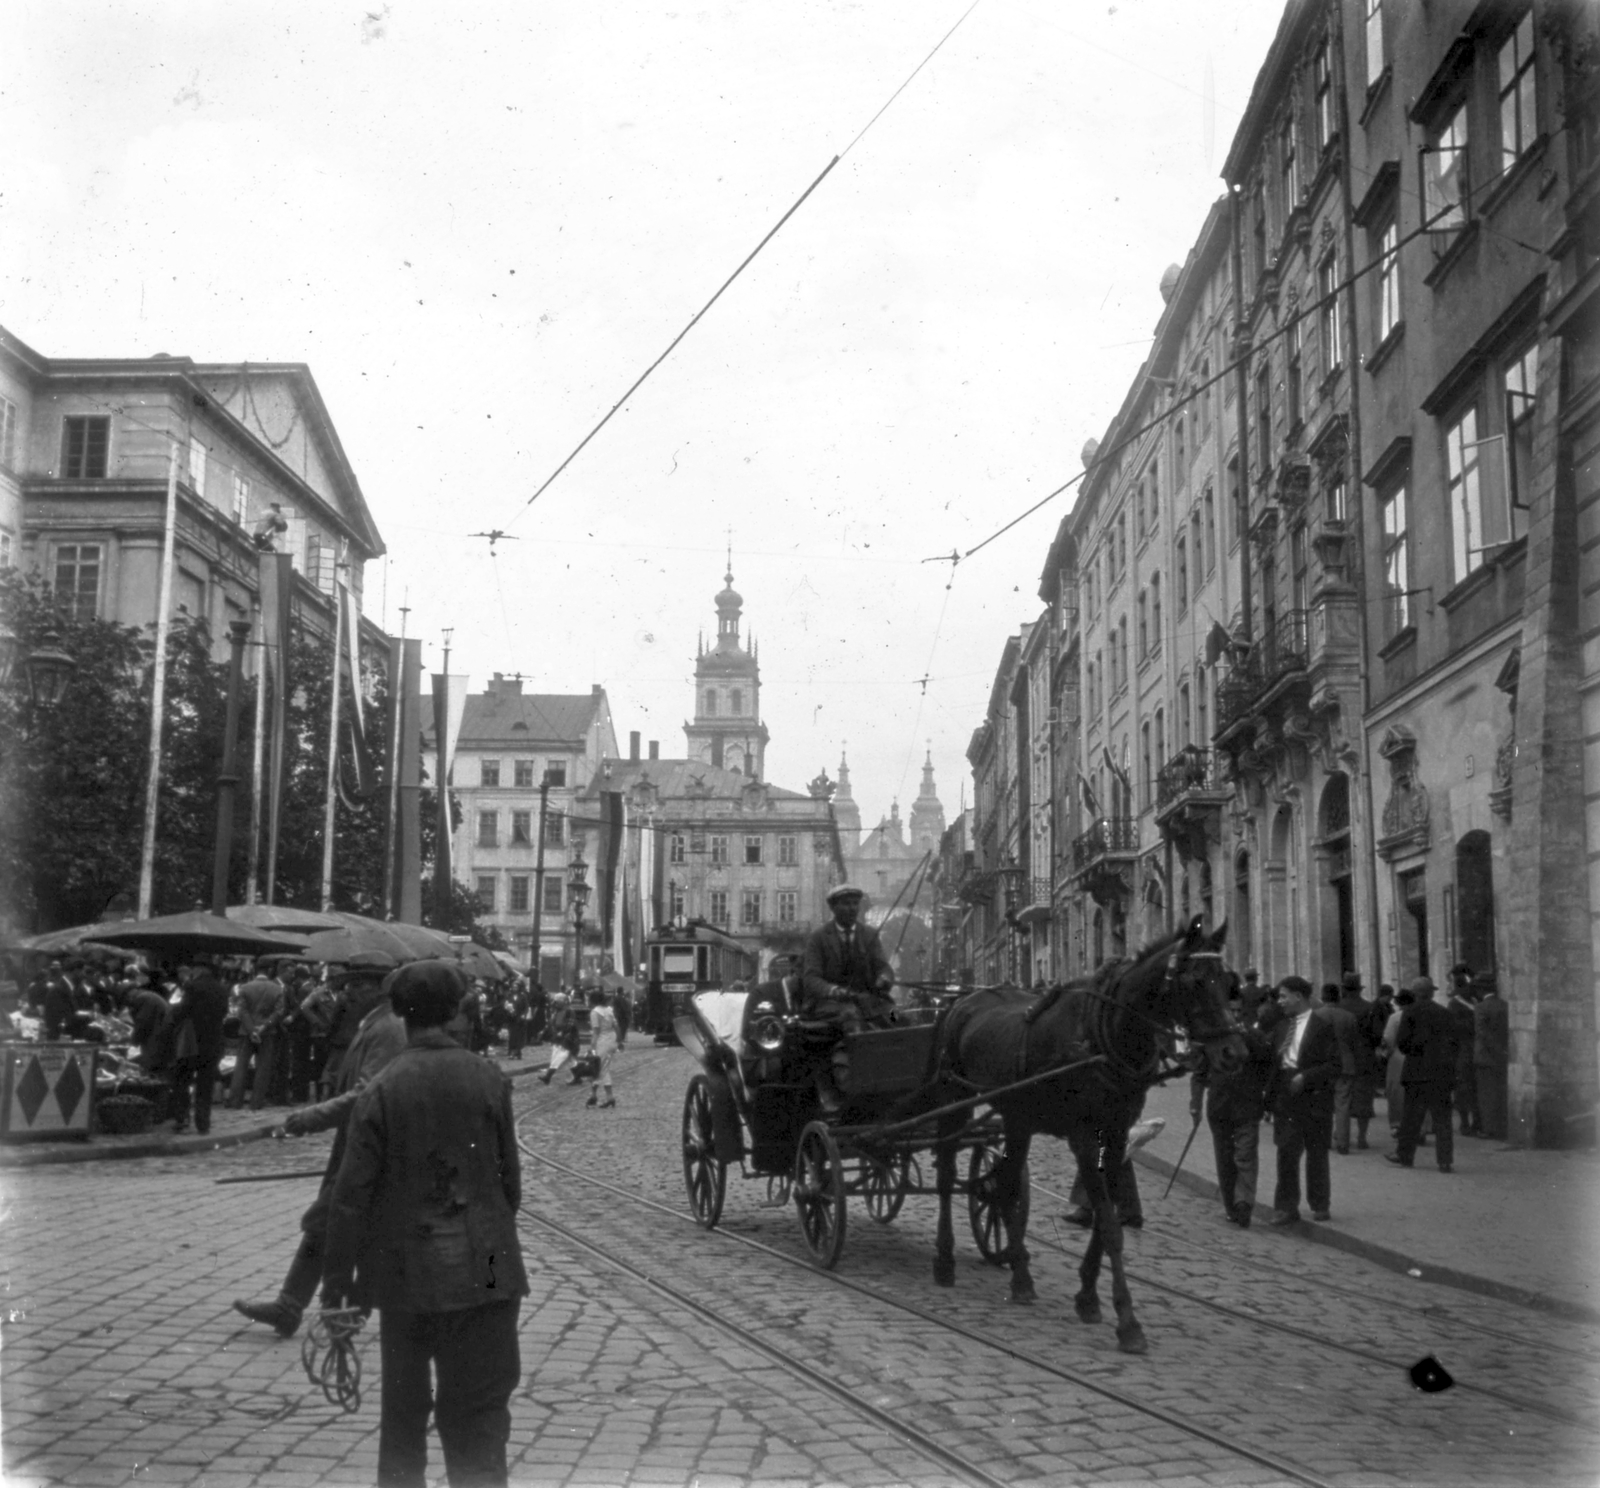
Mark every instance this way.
x=550 y=480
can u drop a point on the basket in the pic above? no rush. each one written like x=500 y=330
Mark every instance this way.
x=125 y=1115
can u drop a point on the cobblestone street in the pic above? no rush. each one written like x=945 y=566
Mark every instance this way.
x=124 y=1362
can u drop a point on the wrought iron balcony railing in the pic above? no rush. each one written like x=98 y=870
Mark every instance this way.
x=1285 y=648
x=1111 y=834
x=1191 y=769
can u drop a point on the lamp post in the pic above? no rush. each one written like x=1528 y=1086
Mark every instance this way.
x=47 y=668
x=228 y=778
x=578 y=893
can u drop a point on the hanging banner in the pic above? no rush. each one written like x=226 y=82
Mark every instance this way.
x=277 y=588
x=355 y=730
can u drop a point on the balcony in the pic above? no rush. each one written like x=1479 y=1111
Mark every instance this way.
x=1103 y=858
x=1285 y=649
x=1191 y=790
x=1030 y=904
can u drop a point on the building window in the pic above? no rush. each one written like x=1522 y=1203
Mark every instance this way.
x=711 y=703
x=1291 y=169
x=1264 y=417
x=519 y=893
x=1521 y=383
x=521 y=828
x=1374 y=41
x=1465 y=497
x=522 y=774
x=1201 y=712
x=556 y=771
x=675 y=901
x=1322 y=88
x=787 y=856
x=489 y=772
x=676 y=849
x=719 y=906
x=554 y=829
x=1336 y=499
x=750 y=907
x=1155 y=494
x=1518 y=124
x=719 y=851
x=552 y=893
x=1147 y=776
x=1208 y=509
x=1183 y=714
x=752 y=850
x=77 y=590
x=85 y=446
x=737 y=700
x=1122 y=648
x=486 y=892
x=1291 y=347
x=1396 y=567
x=1388 y=279
x=1155 y=611
x=788 y=906
x=1258 y=231
x=1161 y=738
x=1180 y=572
x=1444 y=176
x=197 y=466
x=1144 y=624
x=241 y=498
x=8 y=433
x=1328 y=315
x=488 y=829
x=1122 y=541
x=1180 y=462
x=1138 y=512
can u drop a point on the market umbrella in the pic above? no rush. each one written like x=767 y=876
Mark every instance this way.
x=476 y=960
x=358 y=933
x=54 y=942
x=276 y=917
x=195 y=930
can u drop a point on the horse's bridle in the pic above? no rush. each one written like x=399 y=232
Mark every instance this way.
x=1150 y=1071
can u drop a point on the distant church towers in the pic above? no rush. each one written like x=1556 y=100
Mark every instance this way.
x=927 y=815
x=845 y=811
x=727 y=730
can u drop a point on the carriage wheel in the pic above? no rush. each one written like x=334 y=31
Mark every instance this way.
x=819 y=1194
x=988 y=1229
x=704 y=1175
x=884 y=1185
x=779 y=1186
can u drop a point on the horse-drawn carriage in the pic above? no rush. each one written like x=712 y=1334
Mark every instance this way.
x=978 y=1079
x=755 y=1106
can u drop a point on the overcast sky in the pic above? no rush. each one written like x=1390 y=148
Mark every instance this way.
x=478 y=224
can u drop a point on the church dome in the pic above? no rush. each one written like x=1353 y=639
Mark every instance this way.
x=729 y=600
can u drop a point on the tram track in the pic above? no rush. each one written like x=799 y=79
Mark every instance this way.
x=1286 y=1469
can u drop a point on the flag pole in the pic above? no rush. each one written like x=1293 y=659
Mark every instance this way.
x=333 y=746
x=158 y=688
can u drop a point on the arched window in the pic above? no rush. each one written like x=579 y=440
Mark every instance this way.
x=1155 y=610
x=1183 y=715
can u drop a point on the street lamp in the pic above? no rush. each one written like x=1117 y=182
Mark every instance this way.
x=49 y=672
x=578 y=893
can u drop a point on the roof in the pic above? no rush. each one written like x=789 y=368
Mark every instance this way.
x=672 y=777
x=525 y=719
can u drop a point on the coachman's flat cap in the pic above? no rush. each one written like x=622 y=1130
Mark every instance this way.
x=845 y=891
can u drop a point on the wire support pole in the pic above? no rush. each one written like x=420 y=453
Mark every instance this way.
x=158 y=687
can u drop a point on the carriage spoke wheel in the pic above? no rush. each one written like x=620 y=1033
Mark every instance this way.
x=983 y=1209
x=819 y=1194
x=705 y=1177
x=779 y=1186
x=884 y=1184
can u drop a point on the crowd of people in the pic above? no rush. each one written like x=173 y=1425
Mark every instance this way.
x=1317 y=1062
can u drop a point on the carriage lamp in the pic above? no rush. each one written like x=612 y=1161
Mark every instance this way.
x=766 y=1028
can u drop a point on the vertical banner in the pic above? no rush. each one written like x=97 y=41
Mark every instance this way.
x=619 y=892
x=277 y=585
x=612 y=815
x=441 y=786
x=408 y=825
x=356 y=719
x=645 y=889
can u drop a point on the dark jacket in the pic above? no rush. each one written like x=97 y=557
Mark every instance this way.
x=830 y=963
x=1319 y=1062
x=424 y=1211
x=204 y=1006
x=1348 y=1033
x=1427 y=1037
x=1238 y=1097
x=1491 y=1041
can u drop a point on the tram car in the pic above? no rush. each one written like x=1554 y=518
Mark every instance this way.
x=684 y=959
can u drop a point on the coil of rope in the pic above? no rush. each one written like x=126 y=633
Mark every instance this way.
x=328 y=1355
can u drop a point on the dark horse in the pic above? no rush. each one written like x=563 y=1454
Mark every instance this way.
x=1004 y=1035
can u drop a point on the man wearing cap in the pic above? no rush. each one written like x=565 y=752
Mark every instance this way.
x=844 y=980
x=1234 y=1105
x=422 y=1225
x=380 y=1037
x=1305 y=1065
x=1427 y=1038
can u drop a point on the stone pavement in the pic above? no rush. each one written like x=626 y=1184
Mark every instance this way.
x=1514 y=1223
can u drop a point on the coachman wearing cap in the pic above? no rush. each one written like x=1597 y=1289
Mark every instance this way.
x=845 y=980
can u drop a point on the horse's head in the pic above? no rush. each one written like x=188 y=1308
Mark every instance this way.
x=1196 y=994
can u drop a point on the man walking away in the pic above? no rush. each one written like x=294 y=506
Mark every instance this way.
x=261 y=1014
x=380 y=1037
x=423 y=1226
x=1349 y=1037
x=1491 y=1048
x=1427 y=1038
x=197 y=1020
x=1305 y=1065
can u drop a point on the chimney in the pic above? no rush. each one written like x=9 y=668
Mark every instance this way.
x=655 y=749
x=633 y=746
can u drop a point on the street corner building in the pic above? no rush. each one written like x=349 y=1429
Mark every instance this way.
x=1320 y=646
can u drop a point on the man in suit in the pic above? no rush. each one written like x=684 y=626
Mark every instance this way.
x=1427 y=1038
x=197 y=1020
x=1491 y=1050
x=1234 y=1105
x=1365 y=1084
x=845 y=979
x=1305 y=1067
x=1344 y=1028
x=261 y=1014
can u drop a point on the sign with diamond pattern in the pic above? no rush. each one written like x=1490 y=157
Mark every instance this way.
x=47 y=1090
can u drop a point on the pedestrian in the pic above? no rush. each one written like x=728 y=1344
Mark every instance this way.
x=604 y=1040
x=261 y=1014
x=1234 y=1103
x=1491 y=1048
x=1305 y=1067
x=1351 y=1054
x=148 y=1012
x=1394 y=1062
x=1364 y=1087
x=355 y=992
x=381 y=1035
x=517 y=1020
x=1462 y=1007
x=440 y=1260
x=538 y=1012
x=197 y=1018
x=563 y=1038
x=622 y=1006
x=1427 y=1039
x=318 y=1008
